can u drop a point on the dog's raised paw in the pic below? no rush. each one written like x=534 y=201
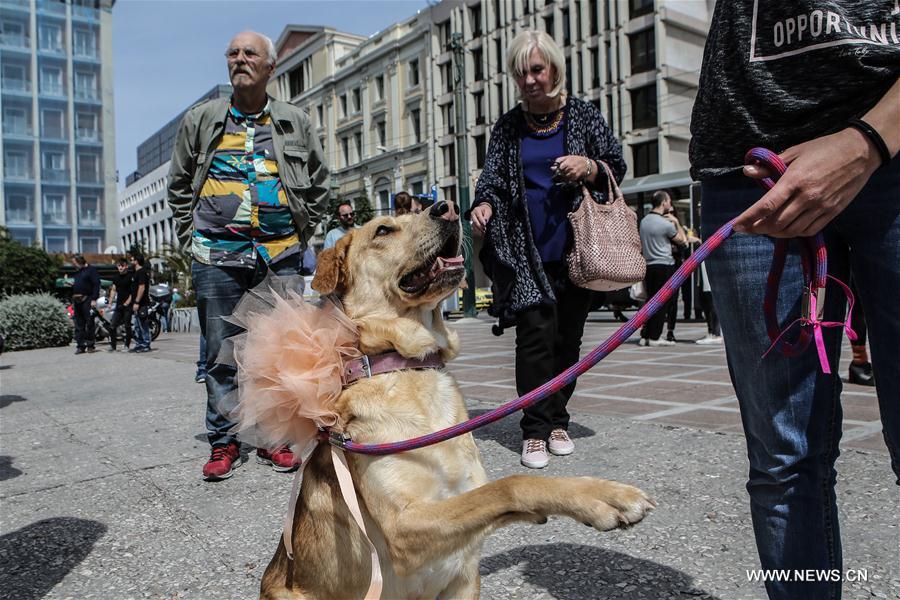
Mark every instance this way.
x=613 y=505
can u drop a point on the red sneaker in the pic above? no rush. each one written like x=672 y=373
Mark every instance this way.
x=223 y=460
x=281 y=459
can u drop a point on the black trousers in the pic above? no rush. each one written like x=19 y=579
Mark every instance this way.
x=712 y=319
x=84 y=323
x=654 y=280
x=548 y=341
x=122 y=315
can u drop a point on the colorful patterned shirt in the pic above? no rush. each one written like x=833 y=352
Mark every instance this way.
x=242 y=210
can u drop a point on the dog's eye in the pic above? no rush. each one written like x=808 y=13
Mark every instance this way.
x=383 y=230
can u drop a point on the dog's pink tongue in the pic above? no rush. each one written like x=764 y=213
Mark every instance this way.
x=442 y=264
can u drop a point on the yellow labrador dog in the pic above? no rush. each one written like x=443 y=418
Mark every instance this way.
x=427 y=511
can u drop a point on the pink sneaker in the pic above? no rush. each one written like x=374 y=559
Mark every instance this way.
x=534 y=454
x=281 y=459
x=560 y=443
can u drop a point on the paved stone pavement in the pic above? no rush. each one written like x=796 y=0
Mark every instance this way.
x=100 y=494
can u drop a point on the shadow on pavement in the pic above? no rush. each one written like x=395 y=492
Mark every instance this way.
x=7 y=399
x=576 y=571
x=39 y=556
x=508 y=434
x=7 y=471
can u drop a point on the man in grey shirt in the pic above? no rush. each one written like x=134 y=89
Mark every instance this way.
x=658 y=230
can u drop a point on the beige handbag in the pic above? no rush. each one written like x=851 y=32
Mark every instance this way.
x=606 y=250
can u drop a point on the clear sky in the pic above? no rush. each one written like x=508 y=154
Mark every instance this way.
x=168 y=53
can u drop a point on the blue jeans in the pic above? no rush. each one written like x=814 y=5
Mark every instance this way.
x=201 y=357
x=791 y=411
x=218 y=291
x=141 y=329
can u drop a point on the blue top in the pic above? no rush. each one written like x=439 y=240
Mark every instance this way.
x=548 y=204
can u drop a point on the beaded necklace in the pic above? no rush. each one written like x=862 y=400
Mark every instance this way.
x=544 y=125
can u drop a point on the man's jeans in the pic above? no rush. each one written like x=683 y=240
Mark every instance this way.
x=218 y=291
x=141 y=327
x=791 y=411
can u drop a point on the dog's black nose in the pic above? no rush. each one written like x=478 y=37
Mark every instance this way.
x=444 y=210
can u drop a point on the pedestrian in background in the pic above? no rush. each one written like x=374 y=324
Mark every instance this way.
x=247 y=188
x=659 y=230
x=85 y=291
x=405 y=204
x=346 y=221
x=140 y=304
x=830 y=104
x=553 y=143
x=120 y=293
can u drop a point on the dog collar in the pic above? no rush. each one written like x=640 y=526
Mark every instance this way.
x=367 y=366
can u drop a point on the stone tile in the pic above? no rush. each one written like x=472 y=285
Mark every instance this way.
x=619 y=408
x=872 y=443
x=703 y=418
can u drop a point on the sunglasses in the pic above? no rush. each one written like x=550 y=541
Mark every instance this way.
x=349 y=214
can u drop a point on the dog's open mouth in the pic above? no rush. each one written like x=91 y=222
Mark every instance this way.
x=444 y=265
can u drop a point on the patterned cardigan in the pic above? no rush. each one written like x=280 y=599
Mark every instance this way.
x=510 y=256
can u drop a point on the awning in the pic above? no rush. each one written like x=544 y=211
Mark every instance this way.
x=659 y=181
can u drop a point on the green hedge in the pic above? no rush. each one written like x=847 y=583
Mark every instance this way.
x=31 y=321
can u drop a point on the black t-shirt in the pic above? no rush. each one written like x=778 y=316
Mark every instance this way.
x=122 y=281
x=776 y=74
x=141 y=277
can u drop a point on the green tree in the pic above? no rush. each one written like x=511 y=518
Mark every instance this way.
x=25 y=269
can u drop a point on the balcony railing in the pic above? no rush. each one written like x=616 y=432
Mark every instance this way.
x=87 y=135
x=55 y=175
x=84 y=52
x=14 y=129
x=15 y=40
x=16 y=173
x=53 y=89
x=90 y=218
x=88 y=178
x=55 y=218
x=19 y=215
x=86 y=94
x=15 y=85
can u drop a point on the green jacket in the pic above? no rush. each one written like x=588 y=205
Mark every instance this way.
x=301 y=164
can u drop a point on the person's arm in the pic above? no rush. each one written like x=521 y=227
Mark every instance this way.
x=111 y=295
x=823 y=176
x=601 y=145
x=95 y=286
x=138 y=295
x=180 y=193
x=490 y=187
x=680 y=236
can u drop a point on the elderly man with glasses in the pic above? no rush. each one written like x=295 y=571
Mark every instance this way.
x=247 y=189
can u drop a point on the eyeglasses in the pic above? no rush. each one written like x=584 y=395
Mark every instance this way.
x=349 y=214
x=250 y=53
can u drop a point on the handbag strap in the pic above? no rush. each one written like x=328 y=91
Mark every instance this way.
x=615 y=194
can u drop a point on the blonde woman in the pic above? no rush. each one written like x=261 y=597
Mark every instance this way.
x=540 y=153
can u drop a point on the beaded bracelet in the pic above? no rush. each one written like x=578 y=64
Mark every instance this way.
x=875 y=137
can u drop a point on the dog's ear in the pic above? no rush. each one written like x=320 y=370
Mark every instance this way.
x=332 y=268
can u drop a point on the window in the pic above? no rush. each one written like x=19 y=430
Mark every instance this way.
x=450 y=159
x=379 y=87
x=595 y=17
x=449 y=119
x=643 y=107
x=566 y=27
x=89 y=210
x=14 y=34
x=51 y=81
x=497 y=20
x=479 y=151
x=17 y=164
x=414 y=72
x=636 y=8
x=569 y=74
x=643 y=51
x=88 y=168
x=357 y=141
x=84 y=42
x=447 y=77
x=53 y=124
x=609 y=111
x=645 y=158
x=50 y=37
x=345 y=148
x=478 y=64
x=86 y=126
x=416 y=125
x=343 y=105
x=475 y=18
x=297 y=81
x=357 y=100
x=55 y=209
x=53 y=243
x=498 y=93
x=14 y=77
x=478 y=101
x=19 y=209
x=449 y=193
x=320 y=113
x=15 y=120
x=417 y=187
x=444 y=33
x=578 y=27
x=85 y=85
x=381 y=132
x=549 y=25
x=498 y=53
x=53 y=166
x=90 y=245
